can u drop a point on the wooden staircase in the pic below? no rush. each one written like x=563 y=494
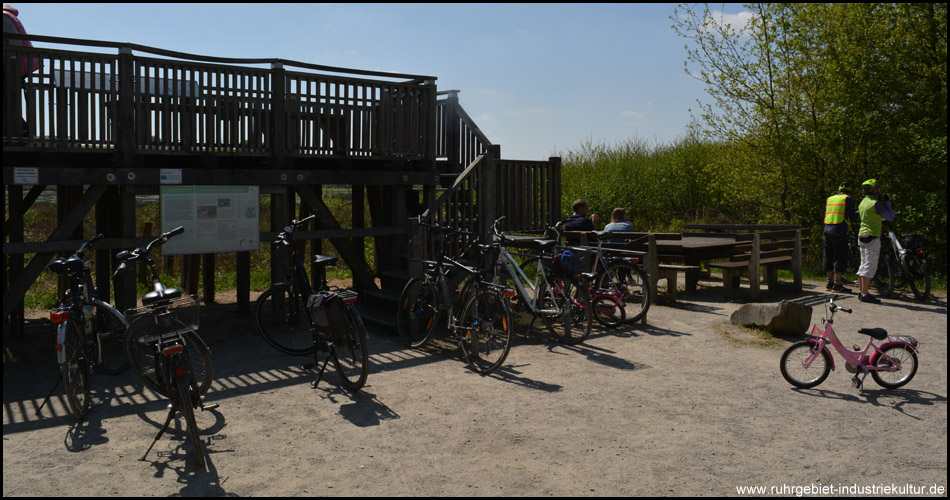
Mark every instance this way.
x=528 y=193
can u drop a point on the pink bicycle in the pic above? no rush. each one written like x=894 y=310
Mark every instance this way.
x=892 y=364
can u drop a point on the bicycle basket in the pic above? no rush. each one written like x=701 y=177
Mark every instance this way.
x=914 y=242
x=164 y=319
x=566 y=263
x=326 y=311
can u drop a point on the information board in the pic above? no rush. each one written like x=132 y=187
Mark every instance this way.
x=217 y=219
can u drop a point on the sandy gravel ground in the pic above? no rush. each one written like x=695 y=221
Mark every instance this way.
x=686 y=405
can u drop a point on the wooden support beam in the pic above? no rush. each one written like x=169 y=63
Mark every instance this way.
x=37 y=265
x=357 y=263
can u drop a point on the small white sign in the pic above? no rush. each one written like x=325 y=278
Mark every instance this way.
x=26 y=175
x=217 y=219
x=170 y=175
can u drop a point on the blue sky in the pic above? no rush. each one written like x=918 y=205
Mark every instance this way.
x=539 y=79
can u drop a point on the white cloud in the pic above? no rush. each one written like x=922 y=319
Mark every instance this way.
x=484 y=118
x=633 y=114
x=532 y=111
x=737 y=21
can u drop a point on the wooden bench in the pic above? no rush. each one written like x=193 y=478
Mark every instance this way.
x=770 y=250
x=658 y=266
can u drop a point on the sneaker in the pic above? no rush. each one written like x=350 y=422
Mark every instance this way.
x=838 y=287
x=868 y=298
x=830 y=286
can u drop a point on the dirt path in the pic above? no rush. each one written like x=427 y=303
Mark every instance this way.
x=675 y=407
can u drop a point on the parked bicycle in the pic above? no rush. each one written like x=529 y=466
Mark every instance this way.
x=164 y=348
x=618 y=273
x=903 y=262
x=482 y=328
x=296 y=320
x=89 y=332
x=548 y=290
x=892 y=364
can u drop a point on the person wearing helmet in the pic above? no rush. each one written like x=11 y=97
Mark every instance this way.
x=841 y=217
x=872 y=211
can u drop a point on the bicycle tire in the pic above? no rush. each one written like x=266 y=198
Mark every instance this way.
x=572 y=324
x=110 y=333
x=919 y=279
x=349 y=353
x=607 y=312
x=794 y=371
x=484 y=331
x=143 y=358
x=283 y=320
x=76 y=370
x=908 y=361
x=187 y=403
x=417 y=314
x=884 y=277
x=632 y=282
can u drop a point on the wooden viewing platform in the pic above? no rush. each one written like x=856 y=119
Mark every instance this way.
x=101 y=122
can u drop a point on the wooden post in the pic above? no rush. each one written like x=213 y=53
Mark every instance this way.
x=243 y=269
x=797 y=260
x=653 y=264
x=17 y=211
x=207 y=269
x=754 y=267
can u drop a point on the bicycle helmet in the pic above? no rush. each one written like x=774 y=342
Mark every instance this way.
x=869 y=185
x=845 y=187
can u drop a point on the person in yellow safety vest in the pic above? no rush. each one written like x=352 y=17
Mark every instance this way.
x=841 y=217
x=874 y=209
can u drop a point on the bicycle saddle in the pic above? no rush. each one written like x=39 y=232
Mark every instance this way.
x=70 y=265
x=324 y=260
x=878 y=333
x=159 y=295
x=545 y=243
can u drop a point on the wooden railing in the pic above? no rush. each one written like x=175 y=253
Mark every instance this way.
x=458 y=140
x=528 y=193
x=185 y=103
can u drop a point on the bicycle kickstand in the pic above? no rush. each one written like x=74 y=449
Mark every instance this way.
x=48 y=396
x=171 y=414
x=308 y=366
x=858 y=383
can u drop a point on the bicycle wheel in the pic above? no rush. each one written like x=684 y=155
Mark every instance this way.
x=607 y=312
x=282 y=318
x=418 y=312
x=76 y=370
x=919 y=279
x=349 y=353
x=484 y=331
x=573 y=317
x=632 y=282
x=110 y=335
x=907 y=359
x=793 y=366
x=885 y=275
x=143 y=356
x=187 y=401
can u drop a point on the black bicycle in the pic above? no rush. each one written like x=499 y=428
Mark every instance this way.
x=482 y=325
x=903 y=262
x=295 y=319
x=164 y=348
x=89 y=332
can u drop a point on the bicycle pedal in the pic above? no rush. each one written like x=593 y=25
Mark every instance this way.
x=308 y=365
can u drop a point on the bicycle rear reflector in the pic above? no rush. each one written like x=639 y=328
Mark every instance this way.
x=59 y=316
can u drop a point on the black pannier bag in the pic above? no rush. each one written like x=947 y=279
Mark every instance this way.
x=915 y=242
x=326 y=310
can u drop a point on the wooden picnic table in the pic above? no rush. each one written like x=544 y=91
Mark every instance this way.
x=695 y=250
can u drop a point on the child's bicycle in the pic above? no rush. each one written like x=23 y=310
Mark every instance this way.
x=892 y=364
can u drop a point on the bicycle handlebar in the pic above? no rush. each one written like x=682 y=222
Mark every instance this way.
x=135 y=254
x=835 y=307
x=445 y=230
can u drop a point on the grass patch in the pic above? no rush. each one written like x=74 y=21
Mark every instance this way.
x=749 y=336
